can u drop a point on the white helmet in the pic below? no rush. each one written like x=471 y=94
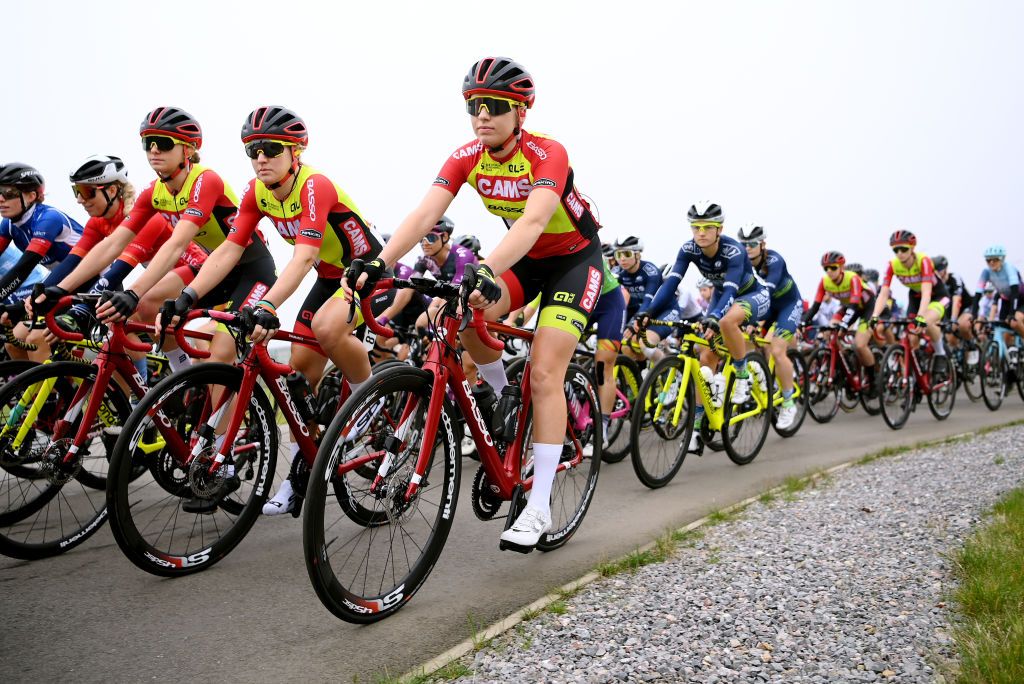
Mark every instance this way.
x=99 y=169
x=705 y=210
x=752 y=232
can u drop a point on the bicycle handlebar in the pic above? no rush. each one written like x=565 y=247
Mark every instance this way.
x=51 y=321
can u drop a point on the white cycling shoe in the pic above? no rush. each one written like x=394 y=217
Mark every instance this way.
x=282 y=502
x=695 y=441
x=787 y=416
x=740 y=390
x=528 y=528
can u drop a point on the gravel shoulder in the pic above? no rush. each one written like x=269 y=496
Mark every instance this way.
x=844 y=581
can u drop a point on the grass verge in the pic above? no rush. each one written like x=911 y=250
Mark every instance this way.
x=990 y=598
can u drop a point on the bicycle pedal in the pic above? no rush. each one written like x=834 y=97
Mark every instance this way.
x=509 y=546
x=297 y=508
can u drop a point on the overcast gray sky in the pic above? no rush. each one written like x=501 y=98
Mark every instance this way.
x=831 y=123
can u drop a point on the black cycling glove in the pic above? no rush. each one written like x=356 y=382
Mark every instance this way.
x=124 y=302
x=485 y=283
x=373 y=269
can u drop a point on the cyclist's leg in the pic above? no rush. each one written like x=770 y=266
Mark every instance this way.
x=932 y=316
x=333 y=331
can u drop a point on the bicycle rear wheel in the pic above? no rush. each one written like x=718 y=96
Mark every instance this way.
x=627 y=384
x=182 y=414
x=993 y=375
x=822 y=392
x=896 y=387
x=800 y=380
x=51 y=504
x=657 y=460
x=364 y=572
x=743 y=440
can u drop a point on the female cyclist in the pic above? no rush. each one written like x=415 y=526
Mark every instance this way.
x=328 y=231
x=551 y=248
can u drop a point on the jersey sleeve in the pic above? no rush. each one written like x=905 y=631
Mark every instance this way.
x=248 y=217
x=887 y=280
x=457 y=168
x=776 y=270
x=206 y=192
x=147 y=242
x=463 y=256
x=92 y=235
x=733 y=278
x=667 y=291
x=653 y=286
x=927 y=269
x=318 y=196
x=856 y=291
x=141 y=211
x=1013 y=275
x=550 y=164
x=820 y=296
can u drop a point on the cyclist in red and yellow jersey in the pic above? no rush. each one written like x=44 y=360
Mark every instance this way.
x=928 y=297
x=328 y=231
x=551 y=248
x=855 y=301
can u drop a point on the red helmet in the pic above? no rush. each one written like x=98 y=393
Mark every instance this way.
x=174 y=123
x=499 y=76
x=275 y=123
x=902 y=237
x=831 y=257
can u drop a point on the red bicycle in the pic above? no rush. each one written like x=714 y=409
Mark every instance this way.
x=909 y=372
x=837 y=379
x=385 y=484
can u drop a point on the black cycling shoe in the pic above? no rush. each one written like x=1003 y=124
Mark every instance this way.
x=208 y=504
x=940 y=369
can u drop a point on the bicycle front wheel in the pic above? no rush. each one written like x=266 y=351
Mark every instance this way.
x=658 y=457
x=177 y=517
x=52 y=482
x=800 y=382
x=746 y=425
x=627 y=389
x=942 y=394
x=368 y=548
x=896 y=387
x=993 y=375
x=822 y=392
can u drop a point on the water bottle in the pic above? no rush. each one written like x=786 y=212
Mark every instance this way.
x=327 y=398
x=506 y=415
x=486 y=401
x=719 y=389
x=709 y=378
x=302 y=395
x=1012 y=356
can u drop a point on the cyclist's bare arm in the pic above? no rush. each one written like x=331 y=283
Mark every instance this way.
x=291 y=277
x=166 y=257
x=216 y=267
x=99 y=257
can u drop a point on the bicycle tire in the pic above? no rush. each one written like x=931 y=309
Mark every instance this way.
x=942 y=399
x=146 y=513
x=744 y=443
x=822 y=393
x=573 y=488
x=971 y=377
x=800 y=380
x=993 y=376
x=52 y=507
x=628 y=382
x=895 y=389
x=872 y=405
x=344 y=589
x=657 y=463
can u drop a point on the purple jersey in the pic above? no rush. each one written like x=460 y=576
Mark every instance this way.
x=453 y=267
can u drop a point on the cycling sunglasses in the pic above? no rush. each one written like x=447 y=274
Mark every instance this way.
x=10 y=193
x=86 y=192
x=495 y=105
x=832 y=267
x=900 y=249
x=431 y=237
x=701 y=226
x=625 y=253
x=270 y=148
x=988 y=260
x=162 y=142
x=751 y=244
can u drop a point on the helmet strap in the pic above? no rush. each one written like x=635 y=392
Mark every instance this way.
x=292 y=170
x=515 y=135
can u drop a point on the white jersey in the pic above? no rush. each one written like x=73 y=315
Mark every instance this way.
x=690 y=303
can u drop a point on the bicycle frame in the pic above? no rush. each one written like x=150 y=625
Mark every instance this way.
x=909 y=341
x=837 y=356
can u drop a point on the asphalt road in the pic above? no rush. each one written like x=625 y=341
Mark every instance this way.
x=90 y=615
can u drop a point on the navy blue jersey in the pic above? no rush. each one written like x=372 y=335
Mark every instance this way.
x=641 y=285
x=49 y=232
x=775 y=275
x=728 y=269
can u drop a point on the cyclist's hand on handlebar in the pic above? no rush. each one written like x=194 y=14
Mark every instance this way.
x=641 y=321
x=919 y=321
x=873 y=321
x=361 y=276
x=711 y=326
x=263 y=320
x=840 y=325
x=117 y=305
x=40 y=303
x=487 y=292
x=172 y=313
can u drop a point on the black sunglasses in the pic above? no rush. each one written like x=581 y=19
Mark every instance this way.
x=269 y=148
x=162 y=142
x=10 y=193
x=900 y=249
x=832 y=267
x=496 y=106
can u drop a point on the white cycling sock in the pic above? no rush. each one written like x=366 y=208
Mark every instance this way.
x=178 y=359
x=940 y=347
x=354 y=386
x=545 y=463
x=494 y=374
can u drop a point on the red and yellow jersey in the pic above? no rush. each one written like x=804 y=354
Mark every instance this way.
x=204 y=199
x=316 y=212
x=504 y=185
x=146 y=243
x=849 y=290
x=921 y=271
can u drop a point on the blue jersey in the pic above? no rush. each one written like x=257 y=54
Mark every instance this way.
x=8 y=258
x=1002 y=280
x=728 y=269
x=641 y=285
x=44 y=223
x=775 y=275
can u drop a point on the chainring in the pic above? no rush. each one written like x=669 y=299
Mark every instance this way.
x=485 y=502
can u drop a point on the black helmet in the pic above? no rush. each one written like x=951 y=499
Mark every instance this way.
x=630 y=242
x=100 y=169
x=174 y=123
x=855 y=268
x=940 y=263
x=751 y=232
x=833 y=257
x=444 y=225
x=902 y=237
x=705 y=210
x=21 y=176
x=275 y=123
x=499 y=76
x=607 y=249
x=470 y=242
x=870 y=275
